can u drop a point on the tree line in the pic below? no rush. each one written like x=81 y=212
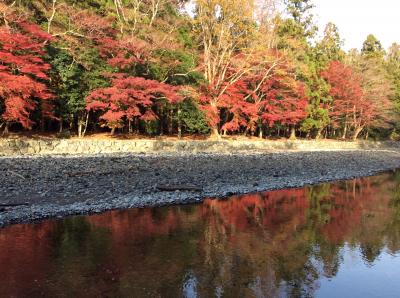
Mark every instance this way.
x=154 y=67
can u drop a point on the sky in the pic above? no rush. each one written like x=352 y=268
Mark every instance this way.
x=358 y=18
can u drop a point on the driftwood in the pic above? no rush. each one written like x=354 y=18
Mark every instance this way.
x=16 y=174
x=13 y=205
x=178 y=187
x=88 y=173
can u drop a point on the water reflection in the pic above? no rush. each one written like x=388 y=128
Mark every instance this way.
x=327 y=240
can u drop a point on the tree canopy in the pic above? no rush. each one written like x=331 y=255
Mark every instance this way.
x=230 y=67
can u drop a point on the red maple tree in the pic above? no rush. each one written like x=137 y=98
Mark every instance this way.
x=254 y=101
x=350 y=107
x=123 y=53
x=281 y=100
x=130 y=98
x=23 y=73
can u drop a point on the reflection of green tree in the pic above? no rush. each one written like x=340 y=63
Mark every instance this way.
x=312 y=253
x=80 y=250
x=268 y=244
x=156 y=265
x=317 y=217
x=380 y=224
x=393 y=227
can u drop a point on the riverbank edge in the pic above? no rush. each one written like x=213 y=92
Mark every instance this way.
x=39 y=212
x=27 y=146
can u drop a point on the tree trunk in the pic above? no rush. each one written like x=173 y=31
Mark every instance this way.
x=215 y=133
x=344 y=132
x=113 y=130
x=71 y=123
x=129 y=126
x=80 y=129
x=170 y=124
x=162 y=121
x=357 y=132
x=319 y=134
x=42 y=125
x=292 y=133
x=179 y=123
x=246 y=131
x=86 y=124
x=5 y=131
x=61 y=126
x=137 y=124
x=260 y=133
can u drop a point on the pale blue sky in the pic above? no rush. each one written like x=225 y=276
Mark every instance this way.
x=358 y=18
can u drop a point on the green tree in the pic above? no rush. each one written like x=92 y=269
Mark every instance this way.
x=295 y=34
x=72 y=82
x=330 y=46
x=372 y=47
x=393 y=68
x=301 y=13
x=376 y=84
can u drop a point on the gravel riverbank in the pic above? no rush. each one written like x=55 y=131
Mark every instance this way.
x=56 y=186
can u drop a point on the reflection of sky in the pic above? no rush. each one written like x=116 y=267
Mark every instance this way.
x=189 y=288
x=357 y=278
x=274 y=244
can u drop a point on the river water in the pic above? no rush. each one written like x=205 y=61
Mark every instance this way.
x=331 y=240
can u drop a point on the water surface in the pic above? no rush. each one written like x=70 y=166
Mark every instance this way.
x=330 y=240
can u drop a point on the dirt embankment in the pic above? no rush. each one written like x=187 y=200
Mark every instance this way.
x=42 y=146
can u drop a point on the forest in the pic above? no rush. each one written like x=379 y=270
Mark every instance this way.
x=215 y=68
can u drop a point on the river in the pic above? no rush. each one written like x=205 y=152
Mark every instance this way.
x=331 y=240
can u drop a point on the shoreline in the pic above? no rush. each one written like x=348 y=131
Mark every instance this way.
x=16 y=147
x=59 y=186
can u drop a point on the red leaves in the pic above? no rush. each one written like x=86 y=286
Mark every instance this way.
x=123 y=53
x=130 y=97
x=89 y=23
x=34 y=31
x=21 y=71
x=254 y=101
x=284 y=101
x=349 y=104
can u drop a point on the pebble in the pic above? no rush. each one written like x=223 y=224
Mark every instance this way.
x=65 y=185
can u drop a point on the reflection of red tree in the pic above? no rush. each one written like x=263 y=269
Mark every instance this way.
x=269 y=209
x=344 y=214
x=29 y=264
x=349 y=202
x=25 y=254
x=138 y=224
x=100 y=253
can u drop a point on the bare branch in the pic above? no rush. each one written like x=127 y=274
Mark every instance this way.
x=53 y=13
